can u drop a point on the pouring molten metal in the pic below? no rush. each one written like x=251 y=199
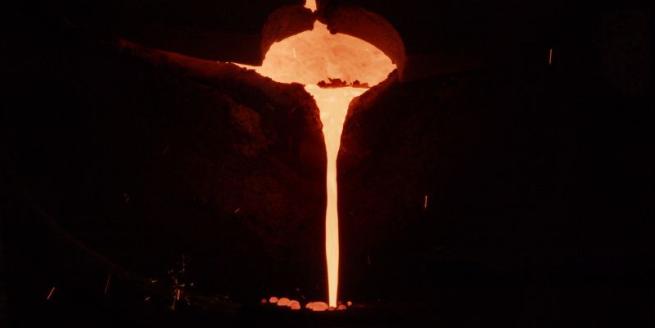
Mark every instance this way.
x=335 y=68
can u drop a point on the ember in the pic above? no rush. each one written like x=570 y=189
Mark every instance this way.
x=283 y=302
x=317 y=306
x=294 y=305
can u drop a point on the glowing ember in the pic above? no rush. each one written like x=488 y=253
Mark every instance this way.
x=335 y=68
x=317 y=306
x=283 y=302
x=294 y=305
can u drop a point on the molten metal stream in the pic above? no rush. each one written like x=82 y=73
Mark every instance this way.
x=309 y=58
x=333 y=104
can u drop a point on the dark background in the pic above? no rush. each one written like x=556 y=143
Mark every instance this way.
x=539 y=177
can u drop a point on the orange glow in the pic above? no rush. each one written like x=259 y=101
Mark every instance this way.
x=317 y=56
x=310 y=4
x=314 y=56
x=333 y=104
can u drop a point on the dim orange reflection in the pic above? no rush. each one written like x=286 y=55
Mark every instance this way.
x=317 y=56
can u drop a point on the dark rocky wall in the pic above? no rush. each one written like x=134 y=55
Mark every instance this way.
x=143 y=162
x=537 y=191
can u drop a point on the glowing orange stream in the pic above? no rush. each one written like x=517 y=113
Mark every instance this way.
x=311 y=57
x=333 y=104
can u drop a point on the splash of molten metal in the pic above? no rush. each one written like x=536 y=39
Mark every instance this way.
x=311 y=5
x=335 y=68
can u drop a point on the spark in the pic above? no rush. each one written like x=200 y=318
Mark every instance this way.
x=107 y=283
x=51 y=293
